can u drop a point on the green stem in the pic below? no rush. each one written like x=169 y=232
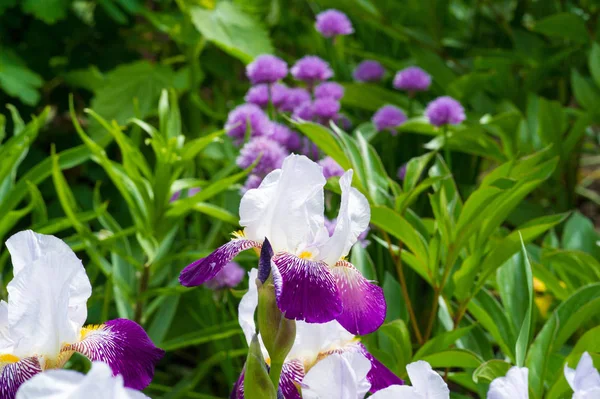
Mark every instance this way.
x=275 y=373
x=446 y=147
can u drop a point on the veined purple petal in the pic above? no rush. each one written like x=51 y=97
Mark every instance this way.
x=379 y=376
x=363 y=303
x=125 y=347
x=12 y=375
x=204 y=269
x=292 y=373
x=238 y=388
x=305 y=289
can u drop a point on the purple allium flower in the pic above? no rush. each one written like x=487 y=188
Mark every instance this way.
x=266 y=68
x=272 y=152
x=388 y=117
x=238 y=119
x=326 y=108
x=309 y=149
x=412 y=79
x=295 y=96
x=329 y=90
x=253 y=181
x=311 y=69
x=333 y=23
x=228 y=277
x=445 y=110
x=402 y=171
x=330 y=167
x=286 y=137
x=343 y=121
x=368 y=71
x=259 y=95
x=305 y=111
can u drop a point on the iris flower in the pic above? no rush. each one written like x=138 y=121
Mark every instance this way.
x=313 y=281
x=512 y=386
x=41 y=326
x=585 y=379
x=313 y=342
x=98 y=383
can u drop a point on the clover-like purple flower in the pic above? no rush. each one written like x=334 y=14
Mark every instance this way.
x=228 y=277
x=305 y=111
x=368 y=71
x=412 y=79
x=259 y=95
x=332 y=23
x=286 y=137
x=326 y=108
x=329 y=90
x=266 y=68
x=294 y=97
x=445 y=111
x=388 y=118
x=272 y=157
x=311 y=69
x=330 y=168
x=247 y=116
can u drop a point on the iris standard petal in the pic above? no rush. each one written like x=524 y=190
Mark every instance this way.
x=204 y=269
x=363 y=303
x=14 y=372
x=305 y=289
x=292 y=374
x=398 y=391
x=426 y=381
x=337 y=376
x=124 y=346
x=379 y=376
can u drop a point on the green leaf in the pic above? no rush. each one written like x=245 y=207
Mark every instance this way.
x=232 y=30
x=586 y=93
x=163 y=319
x=442 y=342
x=17 y=80
x=49 y=11
x=565 y=26
x=256 y=378
x=370 y=97
x=398 y=334
x=491 y=370
x=522 y=284
x=594 y=63
x=217 y=212
x=414 y=170
x=579 y=234
x=210 y=334
x=453 y=358
x=325 y=140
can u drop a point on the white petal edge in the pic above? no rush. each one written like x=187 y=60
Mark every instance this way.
x=514 y=385
x=426 y=381
x=398 y=392
x=338 y=376
x=585 y=377
x=312 y=339
x=247 y=307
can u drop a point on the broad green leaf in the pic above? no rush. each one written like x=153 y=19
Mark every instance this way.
x=491 y=370
x=586 y=93
x=414 y=170
x=17 y=80
x=594 y=63
x=371 y=97
x=325 y=140
x=192 y=148
x=398 y=334
x=217 y=212
x=442 y=342
x=162 y=320
x=453 y=358
x=579 y=234
x=49 y=11
x=564 y=25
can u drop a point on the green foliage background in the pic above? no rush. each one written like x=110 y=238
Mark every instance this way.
x=127 y=101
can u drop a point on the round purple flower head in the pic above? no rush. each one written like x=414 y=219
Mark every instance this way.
x=330 y=167
x=228 y=277
x=239 y=118
x=389 y=118
x=326 y=108
x=412 y=79
x=368 y=71
x=445 y=110
x=329 y=90
x=305 y=111
x=272 y=152
x=332 y=23
x=266 y=68
x=311 y=69
x=259 y=95
x=294 y=97
x=253 y=181
x=286 y=137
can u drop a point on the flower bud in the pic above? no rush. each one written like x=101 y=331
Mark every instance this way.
x=257 y=384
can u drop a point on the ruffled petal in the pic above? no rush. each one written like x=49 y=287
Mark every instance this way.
x=314 y=339
x=305 y=289
x=13 y=374
x=428 y=382
x=337 y=376
x=512 y=386
x=204 y=269
x=124 y=346
x=396 y=392
x=292 y=374
x=363 y=303
x=247 y=307
x=586 y=375
x=379 y=376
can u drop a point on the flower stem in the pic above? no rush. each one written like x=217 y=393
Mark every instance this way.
x=139 y=306
x=447 y=156
x=275 y=373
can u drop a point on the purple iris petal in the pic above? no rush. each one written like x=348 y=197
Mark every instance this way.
x=388 y=118
x=311 y=69
x=326 y=108
x=329 y=90
x=125 y=347
x=305 y=111
x=305 y=289
x=266 y=68
x=228 y=277
x=412 y=79
x=445 y=110
x=292 y=374
x=368 y=71
x=286 y=137
x=331 y=168
x=333 y=23
x=238 y=388
x=294 y=97
x=272 y=153
x=363 y=303
x=244 y=115
x=13 y=375
x=379 y=376
x=253 y=181
x=204 y=269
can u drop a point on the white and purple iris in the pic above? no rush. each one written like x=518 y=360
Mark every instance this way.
x=312 y=344
x=313 y=282
x=41 y=325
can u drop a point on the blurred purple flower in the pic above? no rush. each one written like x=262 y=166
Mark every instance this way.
x=238 y=119
x=193 y=191
x=253 y=181
x=228 y=277
x=329 y=90
x=190 y=192
x=259 y=95
x=445 y=110
x=362 y=237
x=331 y=23
x=330 y=167
x=412 y=79
x=286 y=137
x=326 y=108
x=272 y=152
x=402 y=171
x=305 y=111
x=311 y=69
x=368 y=71
x=309 y=149
x=266 y=68
x=388 y=118
x=344 y=122
x=295 y=96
